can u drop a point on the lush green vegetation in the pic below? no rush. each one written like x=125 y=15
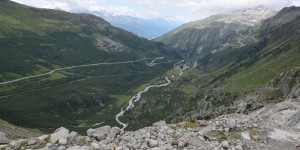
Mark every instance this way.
x=224 y=77
x=35 y=41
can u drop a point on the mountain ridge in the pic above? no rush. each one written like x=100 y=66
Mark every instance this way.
x=210 y=34
x=226 y=80
x=146 y=28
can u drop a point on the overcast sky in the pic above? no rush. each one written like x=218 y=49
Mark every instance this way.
x=173 y=10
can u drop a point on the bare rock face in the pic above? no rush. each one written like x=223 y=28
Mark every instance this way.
x=285 y=15
x=160 y=124
x=152 y=143
x=15 y=144
x=114 y=131
x=243 y=132
x=275 y=126
x=58 y=134
x=286 y=113
x=3 y=138
x=99 y=23
x=288 y=83
x=99 y=133
x=31 y=142
x=63 y=141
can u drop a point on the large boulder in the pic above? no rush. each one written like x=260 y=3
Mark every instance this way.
x=160 y=124
x=181 y=144
x=58 y=134
x=15 y=144
x=114 y=131
x=231 y=123
x=225 y=144
x=72 y=135
x=43 y=137
x=3 y=138
x=63 y=141
x=31 y=141
x=95 y=146
x=62 y=148
x=152 y=143
x=76 y=147
x=99 y=133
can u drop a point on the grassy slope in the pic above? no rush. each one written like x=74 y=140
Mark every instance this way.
x=185 y=93
x=264 y=70
x=243 y=72
x=73 y=96
x=33 y=41
x=47 y=38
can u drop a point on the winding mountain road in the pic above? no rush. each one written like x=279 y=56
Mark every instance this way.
x=78 y=66
x=134 y=99
x=152 y=62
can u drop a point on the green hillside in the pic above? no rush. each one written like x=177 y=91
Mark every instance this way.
x=232 y=80
x=35 y=41
x=232 y=60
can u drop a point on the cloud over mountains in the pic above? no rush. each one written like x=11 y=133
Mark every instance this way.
x=175 y=10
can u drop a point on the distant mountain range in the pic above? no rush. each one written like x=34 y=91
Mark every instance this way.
x=146 y=28
x=212 y=33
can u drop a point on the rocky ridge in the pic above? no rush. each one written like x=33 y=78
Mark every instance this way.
x=271 y=127
x=288 y=83
x=217 y=33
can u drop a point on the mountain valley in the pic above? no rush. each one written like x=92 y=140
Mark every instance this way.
x=229 y=81
x=70 y=93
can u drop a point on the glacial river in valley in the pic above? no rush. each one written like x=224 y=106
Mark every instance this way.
x=180 y=66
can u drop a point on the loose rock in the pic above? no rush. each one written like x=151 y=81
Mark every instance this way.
x=225 y=144
x=31 y=142
x=63 y=141
x=99 y=133
x=59 y=133
x=3 y=138
x=152 y=143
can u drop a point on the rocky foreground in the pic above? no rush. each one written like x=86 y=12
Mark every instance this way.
x=274 y=127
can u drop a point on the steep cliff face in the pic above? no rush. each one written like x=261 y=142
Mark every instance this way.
x=288 y=83
x=285 y=114
x=284 y=23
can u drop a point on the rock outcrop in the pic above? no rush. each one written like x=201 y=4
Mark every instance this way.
x=273 y=127
x=3 y=138
x=60 y=133
x=288 y=83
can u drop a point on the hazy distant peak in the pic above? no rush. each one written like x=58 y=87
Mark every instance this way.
x=259 y=7
x=246 y=17
x=250 y=17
